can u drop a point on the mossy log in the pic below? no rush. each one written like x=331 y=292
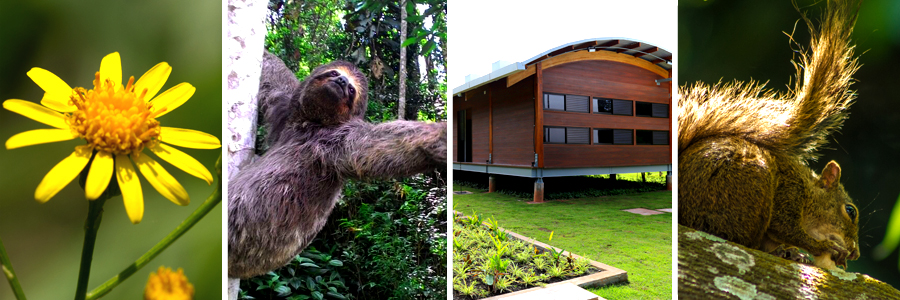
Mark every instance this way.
x=712 y=268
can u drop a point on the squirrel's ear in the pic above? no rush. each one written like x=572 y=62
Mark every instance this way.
x=831 y=175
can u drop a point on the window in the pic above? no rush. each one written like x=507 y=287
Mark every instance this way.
x=573 y=103
x=554 y=102
x=647 y=109
x=652 y=137
x=603 y=106
x=604 y=136
x=566 y=135
x=622 y=107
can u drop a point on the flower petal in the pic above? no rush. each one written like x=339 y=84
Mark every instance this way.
x=56 y=91
x=111 y=68
x=182 y=161
x=153 y=80
x=98 y=177
x=39 y=136
x=189 y=138
x=58 y=102
x=161 y=180
x=36 y=112
x=173 y=98
x=132 y=195
x=62 y=174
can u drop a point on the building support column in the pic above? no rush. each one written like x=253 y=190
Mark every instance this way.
x=539 y=190
x=612 y=176
x=491 y=185
x=668 y=181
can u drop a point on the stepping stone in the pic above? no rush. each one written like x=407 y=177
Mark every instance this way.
x=462 y=193
x=565 y=291
x=668 y=210
x=643 y=211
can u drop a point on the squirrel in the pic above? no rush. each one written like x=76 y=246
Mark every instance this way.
x=743 y=152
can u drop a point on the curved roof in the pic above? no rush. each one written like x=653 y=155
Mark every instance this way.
x=643 y=50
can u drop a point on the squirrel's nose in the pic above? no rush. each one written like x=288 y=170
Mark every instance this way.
x=342 y=81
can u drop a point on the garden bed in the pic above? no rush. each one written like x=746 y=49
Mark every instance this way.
x=490 y=261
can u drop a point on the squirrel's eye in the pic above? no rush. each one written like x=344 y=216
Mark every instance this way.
x=851 y=211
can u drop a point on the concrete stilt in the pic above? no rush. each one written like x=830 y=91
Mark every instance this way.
x=668 y=181
x=491 y=186
x=612 y=176
x=539 y=190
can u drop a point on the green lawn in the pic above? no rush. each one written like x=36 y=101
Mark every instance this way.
x=595 y=228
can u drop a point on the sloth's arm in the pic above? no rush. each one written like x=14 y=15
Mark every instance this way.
x=392 y=150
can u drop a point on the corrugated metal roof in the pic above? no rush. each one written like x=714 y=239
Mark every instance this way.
x=637 y=48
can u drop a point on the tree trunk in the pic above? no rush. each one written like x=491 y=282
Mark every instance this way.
x=712 y=268
x=246 y=33
x=401 y=103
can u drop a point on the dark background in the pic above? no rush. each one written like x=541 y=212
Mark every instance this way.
x=744 y=40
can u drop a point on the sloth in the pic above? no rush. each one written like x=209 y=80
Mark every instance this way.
x=279 y=202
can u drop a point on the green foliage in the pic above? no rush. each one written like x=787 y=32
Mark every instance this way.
x=486 y=267
x=891 y=237
x=307 y=34
x=310 y=275
x=402 y=232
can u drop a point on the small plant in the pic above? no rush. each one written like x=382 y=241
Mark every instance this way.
x=503 y=283
x=465 y=289
x=473 y=220
x=553 y=253
x=556 y=271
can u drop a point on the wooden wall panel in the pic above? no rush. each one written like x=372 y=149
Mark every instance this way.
x=513 y=123
x=605 y=79
x=574 y=156
x=573 y=119
x=454 y=125
x=476 y=103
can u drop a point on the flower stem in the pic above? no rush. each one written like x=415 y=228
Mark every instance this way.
x=10 y=274
x=185 y=225
x=91 y=226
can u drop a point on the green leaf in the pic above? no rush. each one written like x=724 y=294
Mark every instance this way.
x=336 y=263
x=283 y=290
x=336 y=295
x=409 y=41
x=317 y=295
x=891 y=237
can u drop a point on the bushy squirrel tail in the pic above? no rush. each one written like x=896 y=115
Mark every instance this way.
x=796 y=123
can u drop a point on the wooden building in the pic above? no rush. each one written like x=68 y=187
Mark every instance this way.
x=598 y=106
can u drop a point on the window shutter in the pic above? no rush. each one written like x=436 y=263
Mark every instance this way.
x=622 y=137
x=577 y=135
x=577 y=103
x=622 y=107
x=660 y=137
x=660 y=110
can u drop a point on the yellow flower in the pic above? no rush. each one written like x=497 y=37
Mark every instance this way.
x=168 y=285
x=117 y=122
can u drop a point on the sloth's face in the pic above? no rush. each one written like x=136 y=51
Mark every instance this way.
x=342 y=88
x=336 y=93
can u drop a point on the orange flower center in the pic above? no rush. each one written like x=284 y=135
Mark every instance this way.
x=114 y=119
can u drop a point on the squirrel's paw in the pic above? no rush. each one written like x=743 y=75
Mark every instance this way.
x=793 y=254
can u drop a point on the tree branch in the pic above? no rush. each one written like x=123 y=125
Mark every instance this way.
x=712 y=268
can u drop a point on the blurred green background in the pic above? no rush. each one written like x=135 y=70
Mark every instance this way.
x=69 y=38
x=743 y=40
